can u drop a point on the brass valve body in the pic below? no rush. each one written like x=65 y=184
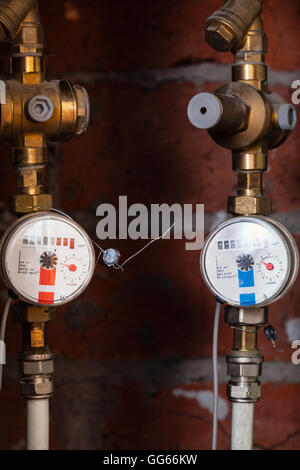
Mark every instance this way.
x=34 y=110
x=68 y=115
x=243 y=115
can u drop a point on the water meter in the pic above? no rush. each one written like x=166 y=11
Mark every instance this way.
x=249 y=261
x=46 y=258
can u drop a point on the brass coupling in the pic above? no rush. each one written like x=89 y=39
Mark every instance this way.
x=33 y=113
x=36 y=360
x=244 y=370
x=36 y=375
x=244 y=363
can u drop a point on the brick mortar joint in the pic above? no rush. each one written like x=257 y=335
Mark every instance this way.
x=205 y=72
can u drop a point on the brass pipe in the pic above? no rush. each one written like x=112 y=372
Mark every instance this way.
x=27 y=63
x=249 y=60
x=250 y=184
x=245 y=338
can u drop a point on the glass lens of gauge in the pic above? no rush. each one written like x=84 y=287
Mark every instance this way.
x=246 y=262
x=47 y=259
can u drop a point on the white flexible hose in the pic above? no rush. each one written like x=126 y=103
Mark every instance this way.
x=38 y=424
x=242 y=426
x=2 y=334
x=215 y=377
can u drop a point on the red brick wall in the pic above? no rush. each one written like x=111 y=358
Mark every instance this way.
x=133 y=346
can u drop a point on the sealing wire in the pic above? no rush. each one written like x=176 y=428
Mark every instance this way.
x=101 y=250
x=117 y=266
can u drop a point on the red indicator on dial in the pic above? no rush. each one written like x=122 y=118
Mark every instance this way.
x=72 y=267
x=269 y=266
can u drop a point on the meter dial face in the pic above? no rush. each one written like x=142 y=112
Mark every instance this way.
x=249 y=261
x=47 y=258
x=73 y=268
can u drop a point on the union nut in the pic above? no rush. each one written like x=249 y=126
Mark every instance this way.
x=37 y=387
x=36 y=367
x=249 y=205
x=244 y=392
x=24 y=203
x=248 y=369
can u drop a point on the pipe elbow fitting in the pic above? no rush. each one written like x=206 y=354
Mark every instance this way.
x=12 y=13
x=226 y=28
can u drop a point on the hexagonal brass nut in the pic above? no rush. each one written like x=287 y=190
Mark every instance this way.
x=251 y=369
x=245 y=316
x=35 y=388
x=220 y=37
x=36 y=367
x=249 y=205
x=25 y=203
x=22 y=312
x=247 y=392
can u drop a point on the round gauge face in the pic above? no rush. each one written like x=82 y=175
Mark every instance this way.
x=248 y=261
x=47 y=259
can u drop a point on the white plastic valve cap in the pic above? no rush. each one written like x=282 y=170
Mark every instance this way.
x=204 y=110
x=287 y=117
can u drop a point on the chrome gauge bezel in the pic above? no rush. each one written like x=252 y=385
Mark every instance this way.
x=11 y=231
x=288 y=241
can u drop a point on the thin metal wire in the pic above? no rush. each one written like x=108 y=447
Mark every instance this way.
x=118 y=266
x=69 y=217
x=101 y=250
x=242 y=329
x=56 y=210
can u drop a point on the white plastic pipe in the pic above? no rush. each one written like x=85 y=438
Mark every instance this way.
x=242 y=426
x=38 y=424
